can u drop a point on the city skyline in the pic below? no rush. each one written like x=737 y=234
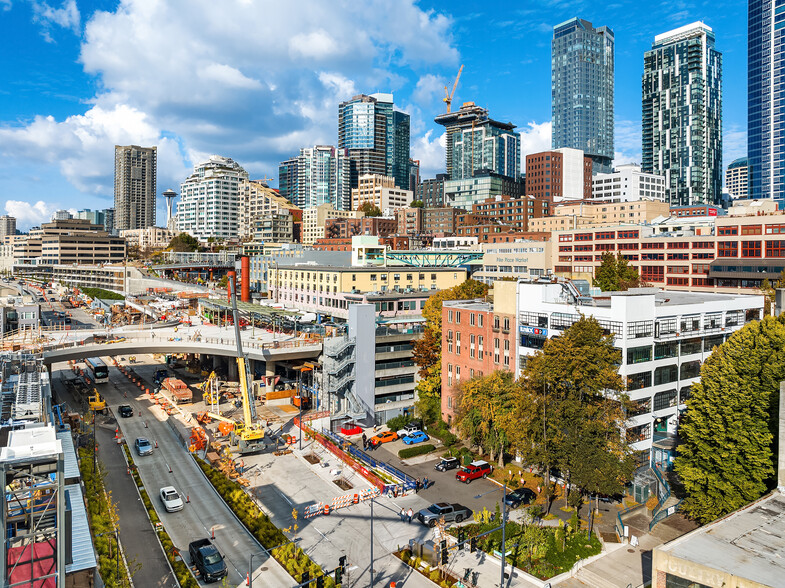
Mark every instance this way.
x=80 y=103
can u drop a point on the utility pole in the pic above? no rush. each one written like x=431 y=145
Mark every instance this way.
x=504 y=534
x=373 y=579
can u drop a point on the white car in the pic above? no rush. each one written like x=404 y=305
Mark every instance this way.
x=171 y=499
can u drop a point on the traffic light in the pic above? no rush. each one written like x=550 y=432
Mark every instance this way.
x=319 y=581
x=445 y=556
x=342 y=562
x=306 y=577
x=473 y=544
x=338 y=575
x=461 y=533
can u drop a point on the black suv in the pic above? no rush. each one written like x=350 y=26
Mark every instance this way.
x=125 y=411
x=447 y=463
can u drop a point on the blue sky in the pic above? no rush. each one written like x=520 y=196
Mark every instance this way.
x=256 y=80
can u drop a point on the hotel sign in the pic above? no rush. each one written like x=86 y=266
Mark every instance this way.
x=538 y=331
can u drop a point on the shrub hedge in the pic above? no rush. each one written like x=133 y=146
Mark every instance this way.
x=101 y=293
x=416 y=450
x=184 y=576
x=101 y=523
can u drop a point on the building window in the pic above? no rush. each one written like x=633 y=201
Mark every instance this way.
x=666 y=374
x=750 y=248
x=449 y=316
x=639 y=381
x=449 y=341
x=457 y=317
x=727 y=249
x=471 y=319
x=689 y=346
x=479 y=346
x=457 y=343
x=471 y=346
x=690 y=369
x=479 y=319
x=638 y=354
x=663 y=400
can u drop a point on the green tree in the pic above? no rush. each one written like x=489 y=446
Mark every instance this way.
x=728 y=430
x=427 y=352
x=572 y=406
x=416 y=204
x=183 y=242
x=616 y=274
x=768 y=289
x=370 y=209
x=486 y=415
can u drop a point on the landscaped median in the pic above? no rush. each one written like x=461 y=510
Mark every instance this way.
x=292 y=558
x=184 y=576
x=416 y=450
x=103 y=520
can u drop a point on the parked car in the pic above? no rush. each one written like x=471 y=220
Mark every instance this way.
x=125 y=411
x=476 y=469
x=415 y=437
x=384 y=437
x=171 y=499
x=409 y=429
x=208 y=560
x=520 y=496
x=452 y=513
x=447 y=463
x=143 y=446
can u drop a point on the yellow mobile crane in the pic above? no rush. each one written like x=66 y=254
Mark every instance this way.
x=248 y=435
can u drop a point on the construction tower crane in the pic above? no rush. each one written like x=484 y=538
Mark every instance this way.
x=448 y=97
x=249 y=434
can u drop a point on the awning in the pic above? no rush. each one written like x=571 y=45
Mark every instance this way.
x=82 y=552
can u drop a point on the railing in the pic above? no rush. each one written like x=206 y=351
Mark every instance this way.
x=408 y=483
x=663 y=493
x=338 y=384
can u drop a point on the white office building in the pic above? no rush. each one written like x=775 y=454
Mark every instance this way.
x=664 y=338
x=209 y=199
x=627 y=183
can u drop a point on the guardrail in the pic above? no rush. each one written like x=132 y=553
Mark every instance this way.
x=663 y=493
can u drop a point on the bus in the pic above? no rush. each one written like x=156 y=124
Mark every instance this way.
x=99 y=373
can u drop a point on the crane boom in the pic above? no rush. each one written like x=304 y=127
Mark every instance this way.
x=448 y=97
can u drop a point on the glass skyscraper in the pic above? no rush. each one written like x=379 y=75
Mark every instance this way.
x=765 y=124
x=582 y=90
x=682 y=115
x=477 y=142
x=377 y=137
x=319 y=175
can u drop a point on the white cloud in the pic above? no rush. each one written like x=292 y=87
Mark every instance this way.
x=255 y=81
x=428 y=91
x=627 y=141
x=28 y=214
x=430 y=153
x=535 y=137
x=734 y=143
x=67 y=17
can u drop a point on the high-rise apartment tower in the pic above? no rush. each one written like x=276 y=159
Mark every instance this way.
x=582 y=90
x=134 y=186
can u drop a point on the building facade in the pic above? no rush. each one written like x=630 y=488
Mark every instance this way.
x=7 y=226
x=682 y=114
x=210 y=199
x=257 y=199
x=627 y=183
x=431 y=192
x=476 y=142
x=465 y=193
x=409 y=221
x=523 y=258
x=381 y=192
x=376 y=136
x=135 y=171
x=315 y=220
x=440 y=221
x=664 y=338
x=71 y=241
x=346 y=228
x=559 y=175
x=591 y=214
x=737 y=178
x=149 y=238
x=765 y=127
x=582 y=61
x=319 y=175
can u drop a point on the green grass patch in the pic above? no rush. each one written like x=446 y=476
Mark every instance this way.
x=101 y=293
x=541 y=551
x=416 y=450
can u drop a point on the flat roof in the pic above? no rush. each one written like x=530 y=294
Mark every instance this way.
x=469 y=304
x=82 y=552
x=373 y=268
x=70 y=463
x=748 y=543
x=30 y=443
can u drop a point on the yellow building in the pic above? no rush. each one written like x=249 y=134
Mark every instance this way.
x=330 y=289
x=257 y=199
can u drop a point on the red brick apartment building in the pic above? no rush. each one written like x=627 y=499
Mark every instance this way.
x=346 y=228
x=475 y=341
x=547 y=173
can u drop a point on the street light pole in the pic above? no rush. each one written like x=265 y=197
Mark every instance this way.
x=504 y=534
x=373 y=579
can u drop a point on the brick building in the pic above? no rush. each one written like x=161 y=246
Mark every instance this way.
x=440 y=221
x=346 y=228
x=409 y=221
x=562 y=174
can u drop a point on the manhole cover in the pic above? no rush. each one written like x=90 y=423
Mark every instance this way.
x=630 y=551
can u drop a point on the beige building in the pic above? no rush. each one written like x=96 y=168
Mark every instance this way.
x=257 y=199
x=315 y=218
x=741 y=550
x=135 y=170
x=381 y=192
x=583 y=214
x=275 y=227
x=149 y=238
x=70 y=241
x=737 y=178
x=521 y=259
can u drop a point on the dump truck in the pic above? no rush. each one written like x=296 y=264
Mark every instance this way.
x=178 y=389
x=160 y=376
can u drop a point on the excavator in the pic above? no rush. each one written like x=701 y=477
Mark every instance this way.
x=247 y=434
x=96 y=402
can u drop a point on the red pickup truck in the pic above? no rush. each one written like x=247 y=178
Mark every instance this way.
x=476 y=469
